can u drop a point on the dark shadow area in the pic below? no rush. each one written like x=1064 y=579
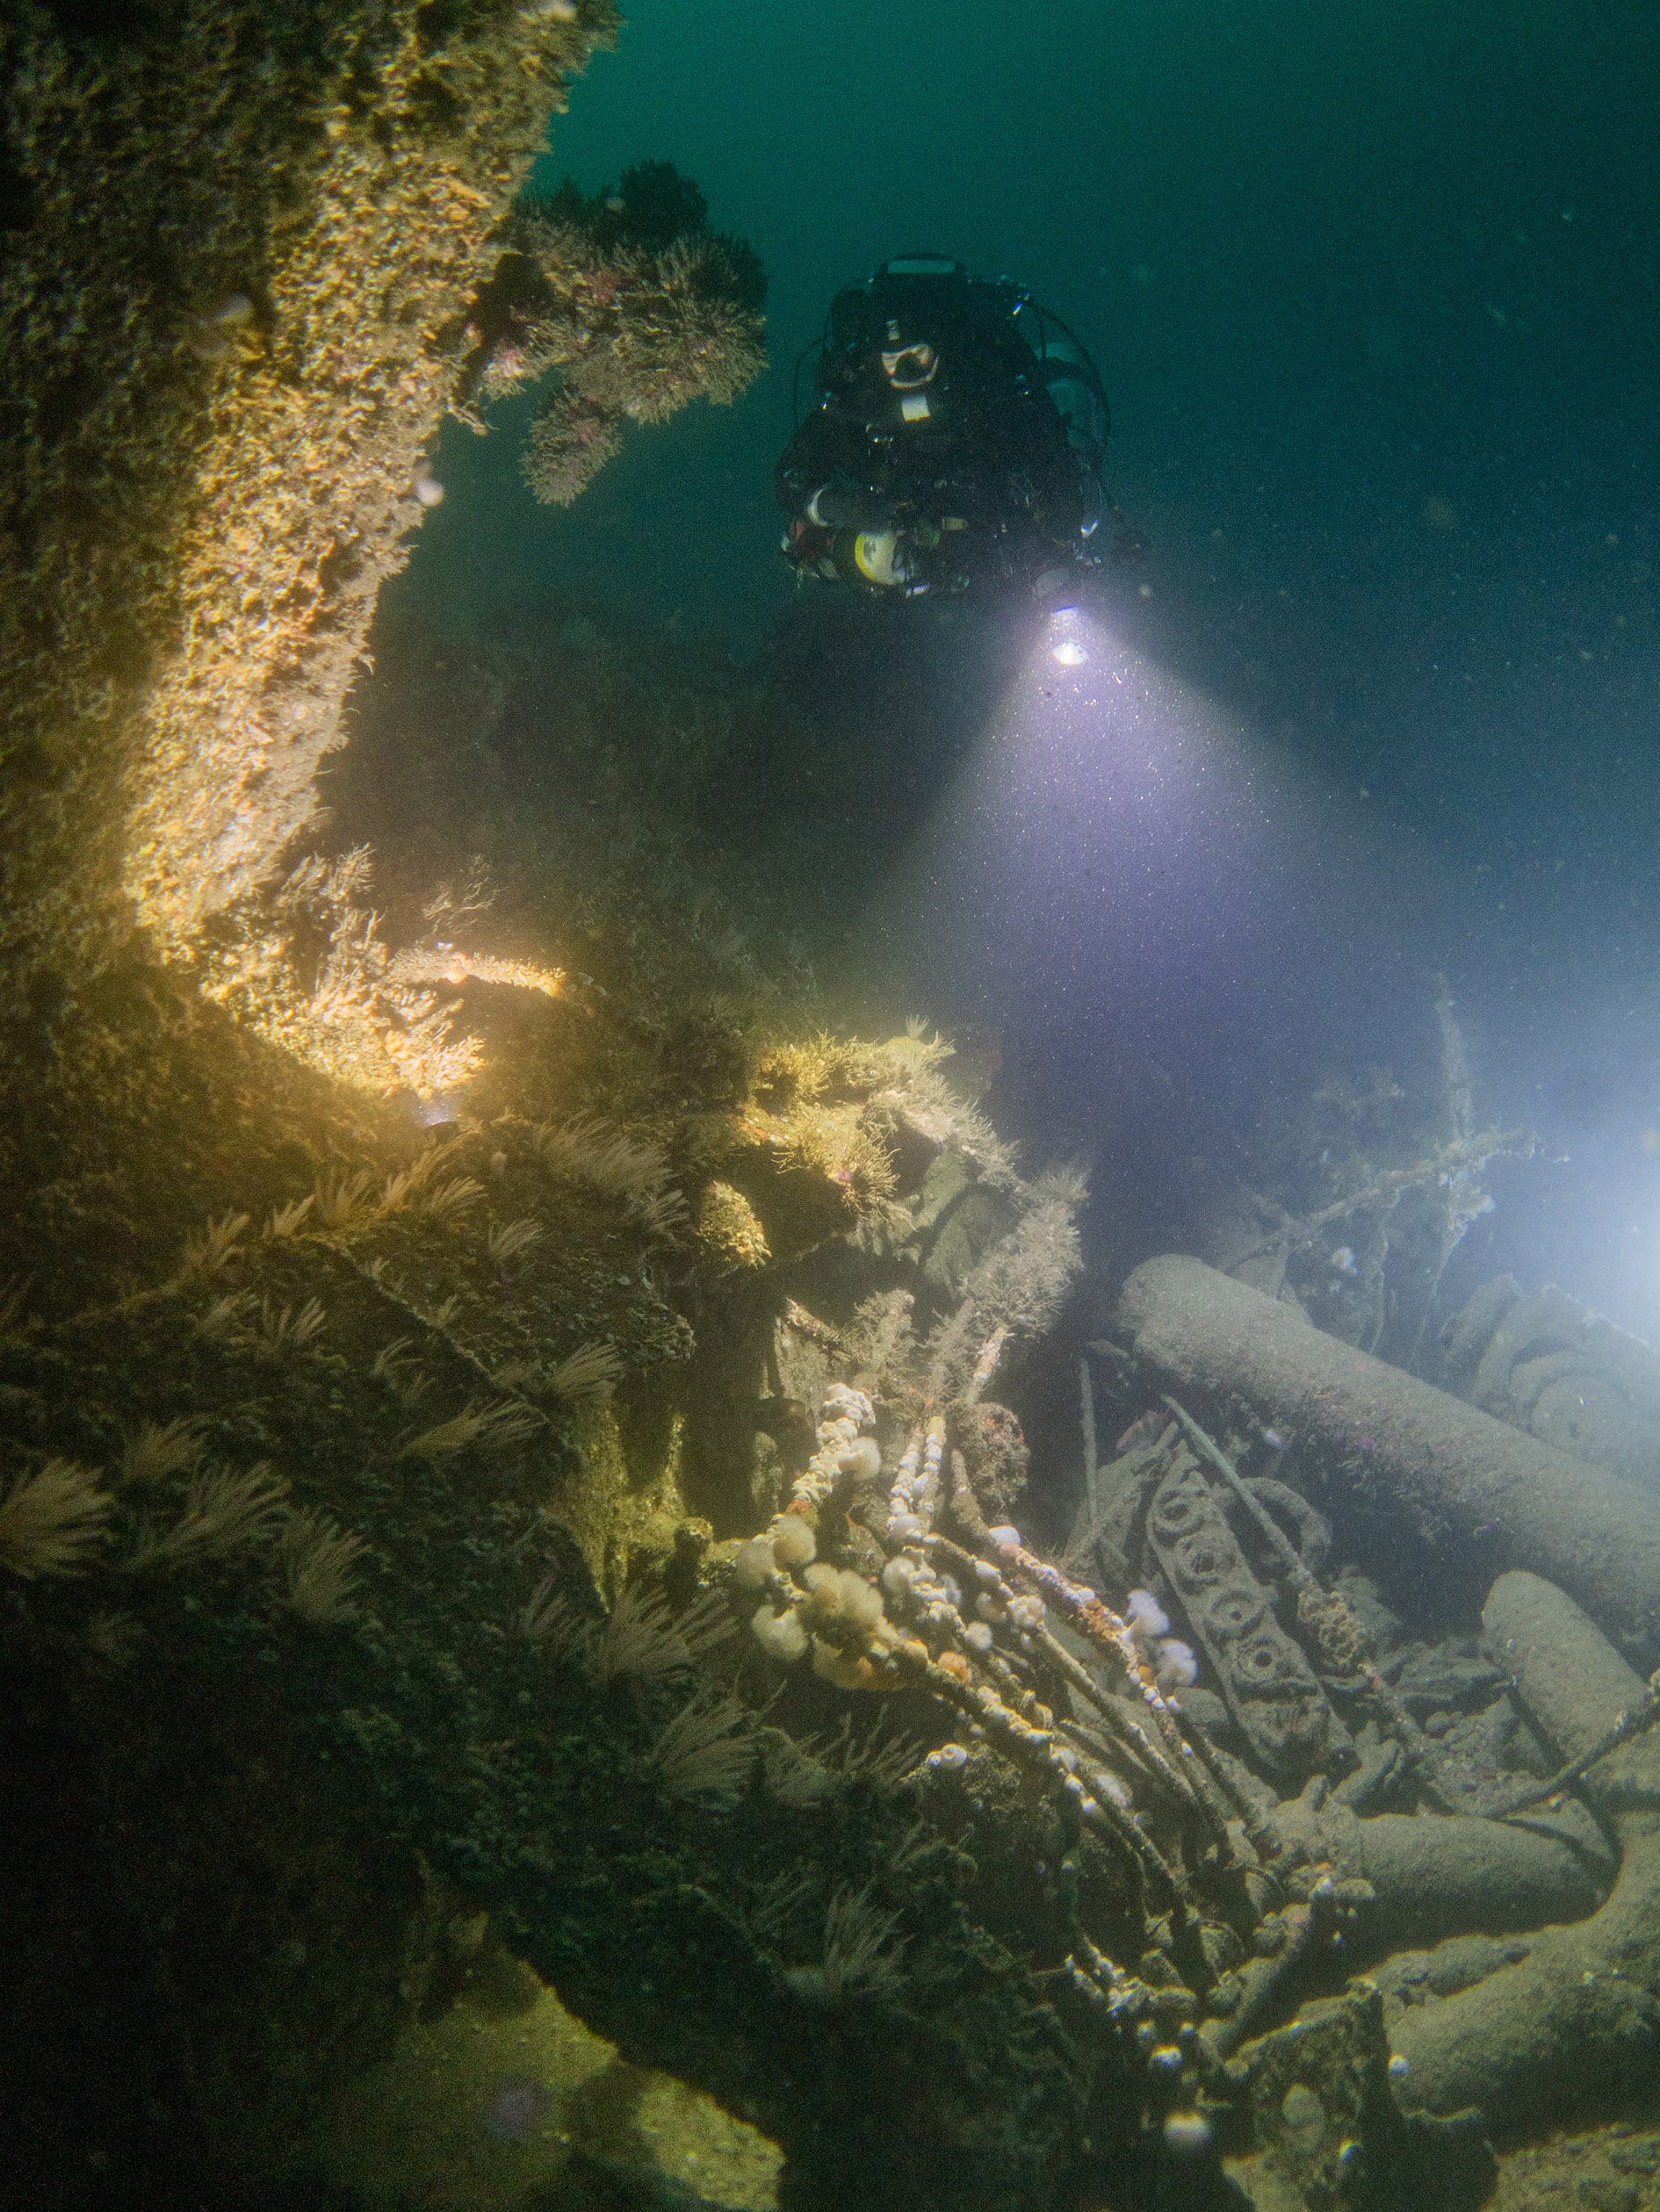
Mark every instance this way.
x=892 y=698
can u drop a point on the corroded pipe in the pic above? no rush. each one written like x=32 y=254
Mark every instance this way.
x=1439 y=1874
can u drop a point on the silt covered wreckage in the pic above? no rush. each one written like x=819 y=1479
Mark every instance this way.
x=509 y=1479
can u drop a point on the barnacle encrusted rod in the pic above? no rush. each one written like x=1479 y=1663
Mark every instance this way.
x=1084 y=1610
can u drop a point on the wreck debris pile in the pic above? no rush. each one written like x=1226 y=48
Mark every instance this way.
x=1427 y=1457
x=1562 y=2020
x=1405 y=1827
x=1189 y=1777
x=1546 y=1363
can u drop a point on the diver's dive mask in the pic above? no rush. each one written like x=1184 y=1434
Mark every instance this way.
x=907 y=368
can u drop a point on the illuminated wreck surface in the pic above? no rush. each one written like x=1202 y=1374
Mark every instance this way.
x=809 y=1398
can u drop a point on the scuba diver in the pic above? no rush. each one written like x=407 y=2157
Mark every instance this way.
x=956 y=445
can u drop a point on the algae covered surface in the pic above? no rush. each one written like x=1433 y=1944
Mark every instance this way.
x=498 y=2101
x=598 y=1606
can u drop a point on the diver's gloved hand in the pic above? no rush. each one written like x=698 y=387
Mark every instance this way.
x=849 y=506
x=1062 y=585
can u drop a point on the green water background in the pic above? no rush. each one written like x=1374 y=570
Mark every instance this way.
x=1375 y=293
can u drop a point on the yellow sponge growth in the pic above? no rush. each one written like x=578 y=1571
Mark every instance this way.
x=729 y=1229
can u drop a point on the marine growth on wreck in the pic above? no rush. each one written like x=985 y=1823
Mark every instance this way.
x=541 y=1663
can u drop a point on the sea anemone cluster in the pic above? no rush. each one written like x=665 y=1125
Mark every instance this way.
x=1172 y=1662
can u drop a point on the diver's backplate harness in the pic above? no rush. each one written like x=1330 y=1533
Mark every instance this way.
x=957 y=441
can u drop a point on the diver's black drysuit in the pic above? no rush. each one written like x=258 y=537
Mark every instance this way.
x=939 y=457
